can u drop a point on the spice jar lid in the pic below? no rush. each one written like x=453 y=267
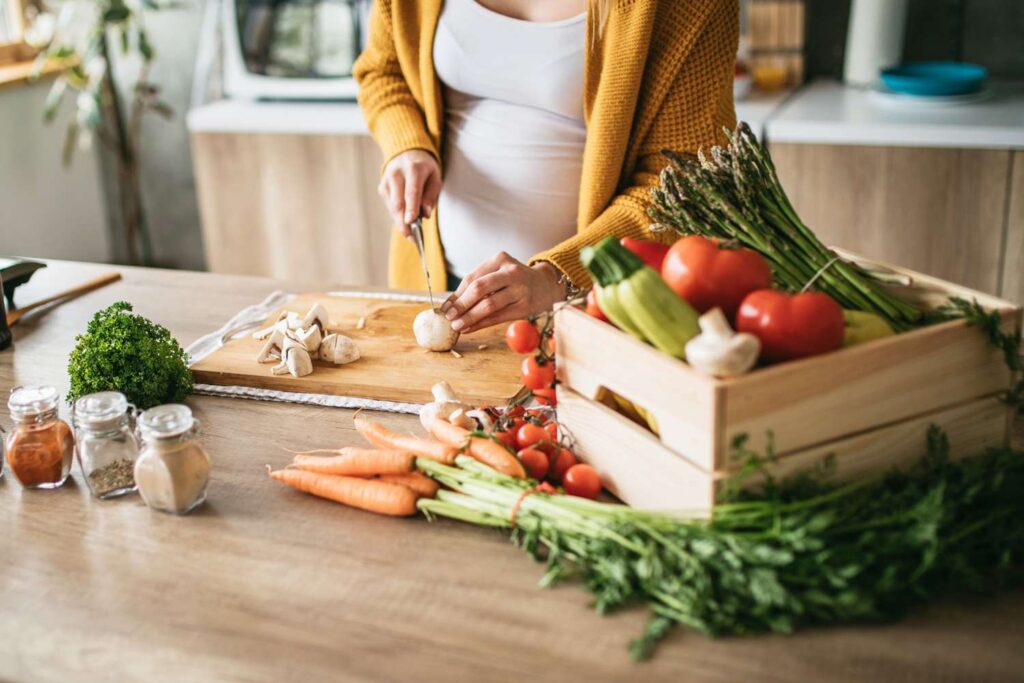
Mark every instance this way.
x=32 y=400
x=167 y=420
x=100 y=408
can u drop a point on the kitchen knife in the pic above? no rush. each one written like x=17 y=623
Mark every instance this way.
x=416 y=228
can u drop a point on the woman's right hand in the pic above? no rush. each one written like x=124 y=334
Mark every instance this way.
x=410 y=186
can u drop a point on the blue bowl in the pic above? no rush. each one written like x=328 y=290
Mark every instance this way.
x=935 y=79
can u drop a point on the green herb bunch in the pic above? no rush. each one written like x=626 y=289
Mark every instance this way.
x=123 y=351
x=791 y=554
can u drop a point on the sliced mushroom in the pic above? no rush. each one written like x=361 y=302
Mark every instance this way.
x=445 y=403
x=296 y=358
x=310 y=337
x=317 y=315
x=338 y=349
x=271 y=350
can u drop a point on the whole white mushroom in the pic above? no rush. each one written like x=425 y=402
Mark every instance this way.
x=433 y=331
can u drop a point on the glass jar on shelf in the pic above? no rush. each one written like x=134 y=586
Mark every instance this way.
x=40 y=444
x=106 y=446
x=172 y=470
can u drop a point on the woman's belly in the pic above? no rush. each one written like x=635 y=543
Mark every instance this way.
x=511 y=183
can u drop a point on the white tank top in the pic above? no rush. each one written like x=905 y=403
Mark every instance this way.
x=514 y=132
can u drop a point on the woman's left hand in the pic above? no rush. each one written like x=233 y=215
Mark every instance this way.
x=500 y=290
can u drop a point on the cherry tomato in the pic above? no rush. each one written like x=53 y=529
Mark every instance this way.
x=552 y=429
x=516 y=411
x=534 y=462
x=537 y=415
x=564 y=461
x=529 y=434
x=537 y=376
x=508 y=438
x=582 y=480
x=522 y=336
x=546 y=397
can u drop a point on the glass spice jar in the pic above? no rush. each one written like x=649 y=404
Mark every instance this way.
x=40 y=445
x=173 y=469
x=105 y=444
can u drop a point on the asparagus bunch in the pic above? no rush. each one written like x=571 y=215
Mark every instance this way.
x=733 y=193
x=792 y=554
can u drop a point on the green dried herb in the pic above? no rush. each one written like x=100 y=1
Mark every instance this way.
x=122 y=351
x=991 y=324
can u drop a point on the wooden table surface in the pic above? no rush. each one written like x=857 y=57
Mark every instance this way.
x=266 y=584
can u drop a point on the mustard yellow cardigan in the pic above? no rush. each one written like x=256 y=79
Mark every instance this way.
x=660 y=76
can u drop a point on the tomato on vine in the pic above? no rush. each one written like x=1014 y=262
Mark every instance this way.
x=530 y=434
x=522 y=337
x=537 y=375
x=535 y=463
x=583 y=481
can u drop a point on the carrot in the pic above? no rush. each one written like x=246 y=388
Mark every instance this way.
x=486 y=451
x=416 y=481
x=356 y=462
x=371 y=495
x=382 y=437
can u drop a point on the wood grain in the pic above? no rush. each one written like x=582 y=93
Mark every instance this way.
x=1013 y=265
x=939 y=211
x=264 y=584
x=292 y=206
x=391 y=367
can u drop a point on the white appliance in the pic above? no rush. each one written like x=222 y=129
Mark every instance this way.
x=874 y=39
x=291 y=49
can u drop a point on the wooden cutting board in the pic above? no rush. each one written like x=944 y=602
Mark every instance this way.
x=392 y=366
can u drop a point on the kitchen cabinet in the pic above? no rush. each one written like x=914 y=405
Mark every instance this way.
x=938 y=211
x=290 y=191
x=1013 y=270
x=939 y=189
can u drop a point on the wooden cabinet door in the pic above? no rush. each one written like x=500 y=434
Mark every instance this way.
x=1013 y=265
x=939 y=211
x=300 y=207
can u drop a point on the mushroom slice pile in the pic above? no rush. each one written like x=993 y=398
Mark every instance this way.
x=294 y=342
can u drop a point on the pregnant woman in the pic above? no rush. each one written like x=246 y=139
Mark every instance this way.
x=524 y=130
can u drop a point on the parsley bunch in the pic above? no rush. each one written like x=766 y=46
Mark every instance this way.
x=123 y=351
x=791 y=554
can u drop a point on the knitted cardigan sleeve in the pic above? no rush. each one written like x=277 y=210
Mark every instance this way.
x=391 y=109
x=697 y=107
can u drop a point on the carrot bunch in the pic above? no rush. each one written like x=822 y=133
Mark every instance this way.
x=385 y=479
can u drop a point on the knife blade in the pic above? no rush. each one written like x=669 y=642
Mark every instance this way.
x=416 y=228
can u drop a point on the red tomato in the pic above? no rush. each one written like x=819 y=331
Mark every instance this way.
x=792 y=326
x=563 y=461
x=508 y=438
x=552 y=429
x=522 y=336
x=538 y=415
x=516 y=411
x=546 y=397
x=651 y=253
x=707 y=274
x=529 y=434
x=536 y=375
x=582 y=480
x=593 y=308
x=534 y=462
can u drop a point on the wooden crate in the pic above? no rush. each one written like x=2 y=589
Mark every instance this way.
x=870 y=405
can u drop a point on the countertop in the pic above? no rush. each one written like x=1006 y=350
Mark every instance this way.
x=827 y=112
x=345 y=118
x=267 y=584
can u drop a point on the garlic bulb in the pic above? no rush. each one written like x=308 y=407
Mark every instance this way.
x=338 y=349
x=433 y=331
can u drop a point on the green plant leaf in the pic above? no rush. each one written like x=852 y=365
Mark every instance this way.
x=54 y=98
x=70 y=142
x=145 y=47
